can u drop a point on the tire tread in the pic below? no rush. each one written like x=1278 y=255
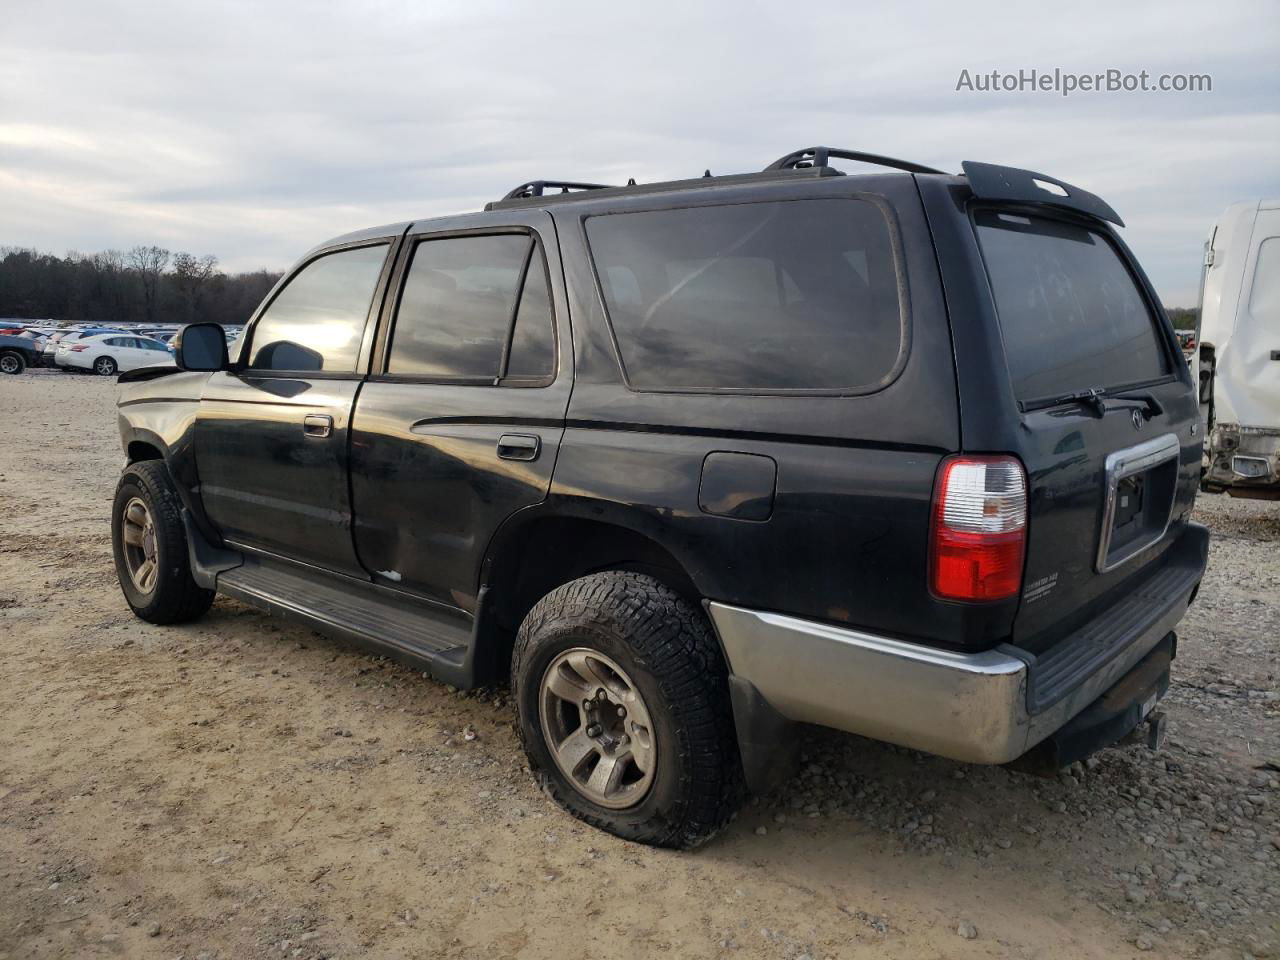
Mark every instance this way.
x=178 y=598
x=671 y=639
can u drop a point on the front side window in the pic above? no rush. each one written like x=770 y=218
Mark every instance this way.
x=790 y=296
x=460 y=300
x=1071 y=314
x=317 y=321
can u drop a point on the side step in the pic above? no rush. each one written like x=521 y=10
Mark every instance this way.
x=423 y=635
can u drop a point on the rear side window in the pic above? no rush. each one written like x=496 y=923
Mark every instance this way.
x=1071 y=314
x=317 y=320
x=792 y=296
x=475 y=309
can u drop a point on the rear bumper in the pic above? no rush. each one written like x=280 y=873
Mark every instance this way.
x=989 y=707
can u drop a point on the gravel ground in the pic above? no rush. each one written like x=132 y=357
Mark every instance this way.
x=244 y=788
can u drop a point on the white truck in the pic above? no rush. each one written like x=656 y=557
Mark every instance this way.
x=1238 y=351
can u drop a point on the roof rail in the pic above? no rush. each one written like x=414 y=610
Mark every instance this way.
x=819 y=157
x=536 y=188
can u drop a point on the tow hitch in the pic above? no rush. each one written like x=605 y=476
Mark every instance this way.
x=1151 y=730
x=1125 y=714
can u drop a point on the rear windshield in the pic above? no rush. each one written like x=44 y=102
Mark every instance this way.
x=797 y=295
x=1070 y=312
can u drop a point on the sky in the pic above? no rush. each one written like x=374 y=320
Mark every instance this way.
x=253 y=131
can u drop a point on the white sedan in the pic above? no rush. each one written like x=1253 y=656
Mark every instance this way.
x=112 y=353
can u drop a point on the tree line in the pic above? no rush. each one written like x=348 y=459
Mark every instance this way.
x=145 y=284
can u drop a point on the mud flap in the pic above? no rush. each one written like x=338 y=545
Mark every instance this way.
x=766 y=739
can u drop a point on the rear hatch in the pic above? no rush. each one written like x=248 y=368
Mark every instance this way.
x=1107 y=419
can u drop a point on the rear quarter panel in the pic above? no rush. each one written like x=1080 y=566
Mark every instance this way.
x=847 y=537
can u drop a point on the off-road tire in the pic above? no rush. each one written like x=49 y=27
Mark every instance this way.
x=667 y=647
x=12 y=362
x=176 y=597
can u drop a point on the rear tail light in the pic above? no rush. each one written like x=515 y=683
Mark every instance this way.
x=979 y=529
x=83 y=346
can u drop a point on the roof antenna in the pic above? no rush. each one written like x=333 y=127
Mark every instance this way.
x=706 y=173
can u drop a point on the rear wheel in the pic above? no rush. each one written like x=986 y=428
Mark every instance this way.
x=150 y=546
x=12 y=362
x=105 y=366
x=624 y=709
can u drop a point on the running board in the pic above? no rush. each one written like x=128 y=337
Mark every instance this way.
x=422 y=635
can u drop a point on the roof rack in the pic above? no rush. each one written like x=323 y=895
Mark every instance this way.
x=820 y=157
x=536 y=188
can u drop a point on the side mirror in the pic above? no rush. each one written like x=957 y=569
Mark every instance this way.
x=200 y=346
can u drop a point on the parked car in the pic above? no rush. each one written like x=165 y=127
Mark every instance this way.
x=1237 y=355
x=68 y=337
x=109 y=354
x=693 y=462
x=17 y=353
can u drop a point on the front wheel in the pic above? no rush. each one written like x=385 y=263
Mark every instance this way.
x=105 y=366
x=12 y=362
x=624 y=709
x=150 y=546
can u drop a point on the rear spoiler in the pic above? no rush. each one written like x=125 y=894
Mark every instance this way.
x=991 y=182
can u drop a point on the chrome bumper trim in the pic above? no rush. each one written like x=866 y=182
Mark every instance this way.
x=967 y=706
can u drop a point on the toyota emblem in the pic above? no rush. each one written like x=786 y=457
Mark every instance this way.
x=1137 y=419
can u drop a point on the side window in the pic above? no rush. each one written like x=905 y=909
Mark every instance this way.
x=460 y=298
x=115 y=342
x=533 y=345
x=317 y=320
x=791 y=296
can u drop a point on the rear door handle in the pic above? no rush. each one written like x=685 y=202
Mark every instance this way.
x=519 y=446
x=317 y=425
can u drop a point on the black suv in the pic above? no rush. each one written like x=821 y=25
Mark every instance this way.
x=903 y=453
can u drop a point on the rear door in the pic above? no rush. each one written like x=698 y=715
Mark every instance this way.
x=272 y=433
x=1107 y=427
x=460 y=422
x=129 y=352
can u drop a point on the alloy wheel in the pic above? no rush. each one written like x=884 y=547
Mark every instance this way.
x=597 y=728
x=139 y=535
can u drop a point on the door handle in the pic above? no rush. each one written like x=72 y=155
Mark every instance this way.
x=519 y=446
x=317 y=425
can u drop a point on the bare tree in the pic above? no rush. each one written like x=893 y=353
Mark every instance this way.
x=150 y=263
x=191 y=277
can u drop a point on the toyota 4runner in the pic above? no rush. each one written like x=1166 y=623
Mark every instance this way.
x=903 y=453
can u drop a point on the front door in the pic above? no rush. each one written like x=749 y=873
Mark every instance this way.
x=272 y=433
x=460 y=421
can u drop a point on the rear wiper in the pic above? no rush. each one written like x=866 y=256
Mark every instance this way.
x=1095 y=398
x=1092 y=398
x=1146 y=402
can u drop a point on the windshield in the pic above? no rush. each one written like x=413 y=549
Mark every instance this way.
x=1071 y=315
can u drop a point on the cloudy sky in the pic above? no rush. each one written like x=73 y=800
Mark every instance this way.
x=254 y=130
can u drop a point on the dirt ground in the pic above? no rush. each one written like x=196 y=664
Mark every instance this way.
x=244 y=788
